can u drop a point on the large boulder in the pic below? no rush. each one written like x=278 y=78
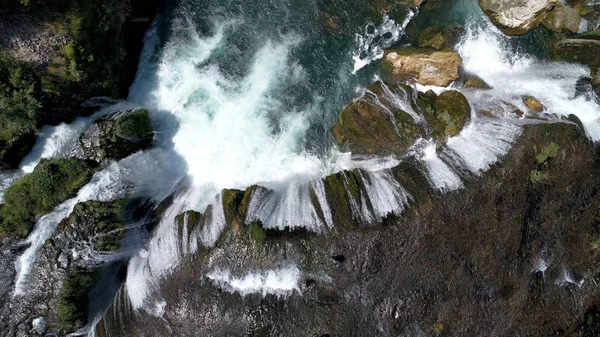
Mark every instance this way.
x=117 y=136
x=450 y=113
x=563 y=19
x=367 y=126
x=426 y=67
x=516 y=17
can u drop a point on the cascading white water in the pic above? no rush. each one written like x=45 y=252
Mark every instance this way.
x=513 y=75
x=374 y=40
x=281 y=281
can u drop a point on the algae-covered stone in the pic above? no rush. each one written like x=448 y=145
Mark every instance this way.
x=367 y=126
x=451 y=113
x=439 y=37
x=426 y=67
x=190 y=219
x=99 y=223
x=563 y=19
x=516 y=17
x=116 y=138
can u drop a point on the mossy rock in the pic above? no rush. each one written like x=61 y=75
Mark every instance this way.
x=256 y=233
x=591 y=35
x=102 y=222
x=114 y=139
x=367 y=127
x=439 y=37
x=134 y=125
x=232 y=200
x=583 y=51
x=339 y=189
x=451 y=113
x=51 y=182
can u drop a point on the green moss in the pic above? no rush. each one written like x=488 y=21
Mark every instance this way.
x=134 y=125
x=74 y=301
x=546 y=152
x=232 y=200
x=592 y=35
x=256 y=233
x=538 y=177
x=19 y=106
x=50 y=183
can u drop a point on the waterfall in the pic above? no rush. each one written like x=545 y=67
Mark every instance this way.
x=281 y=281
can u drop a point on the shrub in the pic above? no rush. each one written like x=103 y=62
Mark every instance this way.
x=73 y=302
x=134 y=125
x=19 y=103
x=50 y=183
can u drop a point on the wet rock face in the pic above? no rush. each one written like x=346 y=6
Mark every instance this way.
x=117 y=137
x=426 y=67
x=83 y=242
x=506 y=256
x=516 y=17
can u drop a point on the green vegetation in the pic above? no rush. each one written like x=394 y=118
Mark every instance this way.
x=19 y=104
x=73 y=303
x=257 y=233
x=546 y=152
x=52 y=182
x=438 y=328
x=134 y=125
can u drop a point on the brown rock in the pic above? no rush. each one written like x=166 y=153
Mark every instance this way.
x=426 y=67
x=533 y=104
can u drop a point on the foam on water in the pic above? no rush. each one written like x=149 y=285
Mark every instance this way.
x=281 y=281
x=226 y=126
x=513 y=75
x=373 y=41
